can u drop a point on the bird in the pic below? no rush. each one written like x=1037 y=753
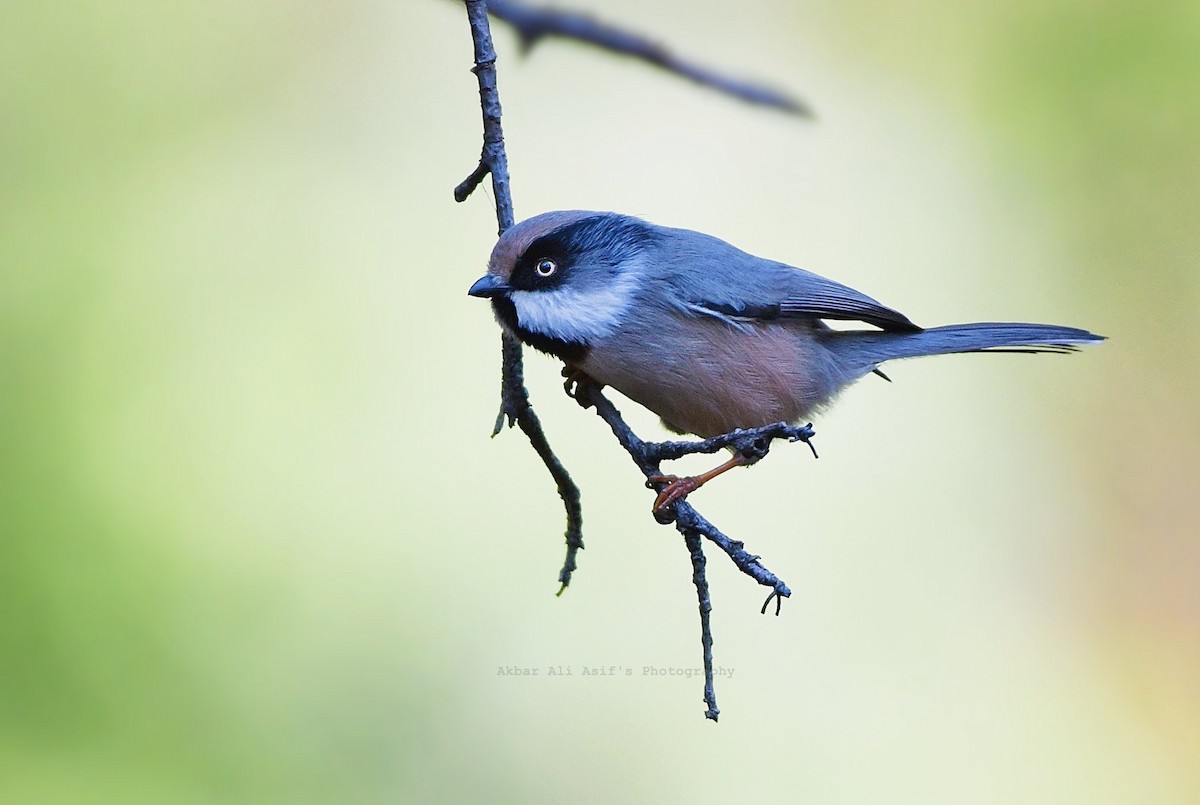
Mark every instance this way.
x=706 y=336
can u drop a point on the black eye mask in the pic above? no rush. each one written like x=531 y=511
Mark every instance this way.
x=618 y=240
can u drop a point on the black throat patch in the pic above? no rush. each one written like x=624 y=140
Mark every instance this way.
x=571 y=352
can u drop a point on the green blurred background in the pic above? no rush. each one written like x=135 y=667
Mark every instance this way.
x=257 y=547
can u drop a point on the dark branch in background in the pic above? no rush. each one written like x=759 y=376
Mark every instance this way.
x=515 y=408
x=534 y=24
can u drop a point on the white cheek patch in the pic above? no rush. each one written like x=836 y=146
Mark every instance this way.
x=579 y=316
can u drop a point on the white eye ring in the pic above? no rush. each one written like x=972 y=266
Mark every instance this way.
x=545 y=267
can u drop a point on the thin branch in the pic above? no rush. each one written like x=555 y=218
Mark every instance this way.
x=467 y=186
x=515 y=398
x=688 y=519
x=692 y=540
x=534 y=24
x=515 y=407
x=493 y=160
x=752 y=443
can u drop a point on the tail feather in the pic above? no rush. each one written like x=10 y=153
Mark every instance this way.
x=861 y=351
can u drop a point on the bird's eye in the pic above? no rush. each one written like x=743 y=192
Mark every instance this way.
x=545 y=267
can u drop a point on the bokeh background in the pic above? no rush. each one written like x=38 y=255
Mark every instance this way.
x=257 y=546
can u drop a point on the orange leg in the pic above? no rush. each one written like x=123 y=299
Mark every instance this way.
x=678 y=488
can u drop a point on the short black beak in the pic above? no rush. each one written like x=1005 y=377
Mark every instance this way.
x=489 y=285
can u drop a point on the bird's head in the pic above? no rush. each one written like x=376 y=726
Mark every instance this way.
x=561 y=281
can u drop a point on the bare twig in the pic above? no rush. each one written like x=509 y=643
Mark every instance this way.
x=534 y=24
x=752 y=443
x=692 y=540
x=515 y=407
x=493 y=159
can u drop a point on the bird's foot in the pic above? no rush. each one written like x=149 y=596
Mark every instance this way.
x=676 y=488
x=578 y=383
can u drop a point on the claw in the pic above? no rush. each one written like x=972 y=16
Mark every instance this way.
x=676 y=489
x=573 y=378
x=577 y=384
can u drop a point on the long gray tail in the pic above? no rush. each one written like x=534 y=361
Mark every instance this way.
x=860 y=351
